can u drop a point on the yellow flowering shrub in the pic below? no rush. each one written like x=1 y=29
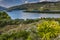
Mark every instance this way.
x=48 y=29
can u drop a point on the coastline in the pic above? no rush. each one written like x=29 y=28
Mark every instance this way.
x=52 y=12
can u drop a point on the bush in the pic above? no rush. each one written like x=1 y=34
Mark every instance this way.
x=4 y=16
x=48 y=29
x=14 y=35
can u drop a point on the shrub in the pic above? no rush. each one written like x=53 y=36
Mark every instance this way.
x=48 y=29
x=14 y=35
x=4 y=16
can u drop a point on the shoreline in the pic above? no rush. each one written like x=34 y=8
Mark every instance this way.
x=52 y=12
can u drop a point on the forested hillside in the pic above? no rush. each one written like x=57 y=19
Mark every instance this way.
x=38 y=6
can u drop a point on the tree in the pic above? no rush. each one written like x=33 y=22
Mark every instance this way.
x=4 y=16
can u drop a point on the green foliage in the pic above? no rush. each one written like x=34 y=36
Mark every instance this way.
x=29 y=38
x=39 y=6
x=43 y=30
x=14 y=35
x=48 y=29
x=4 y=16
x=30 y=21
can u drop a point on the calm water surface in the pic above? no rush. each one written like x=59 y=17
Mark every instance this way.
x=23 y=15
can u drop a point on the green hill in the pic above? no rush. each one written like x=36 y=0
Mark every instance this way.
x=37 y=6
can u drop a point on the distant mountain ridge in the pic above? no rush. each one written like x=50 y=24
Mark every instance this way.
x=38 y=6
x=2 y=8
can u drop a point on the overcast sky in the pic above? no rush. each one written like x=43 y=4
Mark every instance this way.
x=8 y=3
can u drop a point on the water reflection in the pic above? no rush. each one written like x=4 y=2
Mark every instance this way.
x=23 y=15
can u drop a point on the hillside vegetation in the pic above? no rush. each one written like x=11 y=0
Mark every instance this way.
x=30 y=29
x=38 y=6
x=42 y=30
x=4 y=16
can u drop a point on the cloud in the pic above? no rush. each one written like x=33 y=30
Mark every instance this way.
x=8 y=3
x=49 y=0
x=1 y=0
